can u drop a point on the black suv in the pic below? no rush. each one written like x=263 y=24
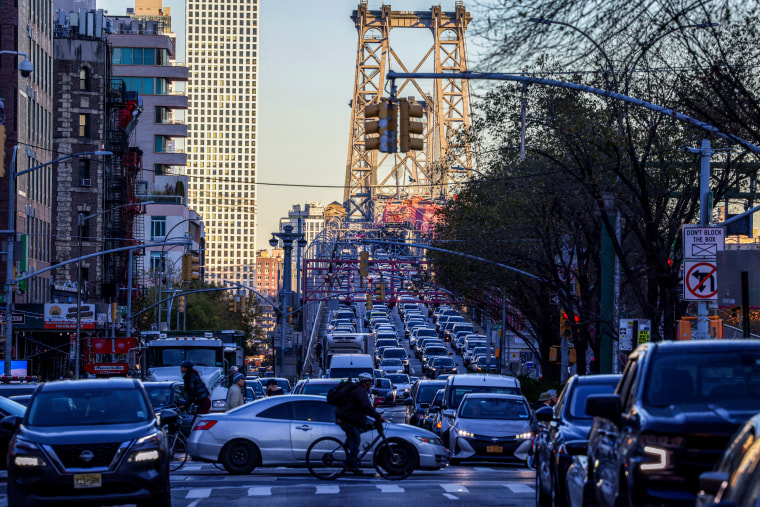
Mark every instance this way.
x=672 y=415
x=89 y=441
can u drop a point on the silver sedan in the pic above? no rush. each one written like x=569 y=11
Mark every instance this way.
x=278 y=431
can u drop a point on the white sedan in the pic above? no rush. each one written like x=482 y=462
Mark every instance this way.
x=278 y=431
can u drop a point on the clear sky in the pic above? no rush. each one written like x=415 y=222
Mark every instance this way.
x=307 y=57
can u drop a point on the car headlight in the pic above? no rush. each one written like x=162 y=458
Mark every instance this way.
x=524 y=436
x=464 y=433
x=219 y=404
x=658 y=458
x=29 y=461
x=429 y=440
x=144 y=456
x=26 y=454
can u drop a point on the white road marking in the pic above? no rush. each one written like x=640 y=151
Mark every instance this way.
x=198 y=493
x=260 y=491
x=327 y=490
x=454 y=488
x=483 y=469
x=450 y=496
x=519 y=488
x=390 y=488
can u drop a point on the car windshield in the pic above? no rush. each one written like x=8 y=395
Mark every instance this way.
x=84 y=407
x=460 y=391
x=396 y=353
x=494 y=408
x=391 y=362
x=382 y=382
x=719 y=380
x=398 y=378
x=443 y=361
x=435 y=351
x=427 y=391
x=577 y=406
x=426 y=332
x=173 y=356
x=160 y=395
x=319 y=389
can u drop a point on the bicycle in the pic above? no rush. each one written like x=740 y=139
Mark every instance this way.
x=326 y=457
x=177 y=437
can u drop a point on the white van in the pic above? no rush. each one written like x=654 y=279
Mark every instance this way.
x=350 y=365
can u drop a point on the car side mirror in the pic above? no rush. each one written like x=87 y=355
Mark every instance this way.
x=10 y=423
x=606 y=406
x=711 y=482
x=450 y=413
x=545 y=413
x=409 y=401
x=576 y=447
x=168 y=416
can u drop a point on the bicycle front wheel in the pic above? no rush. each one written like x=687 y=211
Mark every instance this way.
x=326 y=458
x=395 y=460
x=177 y=451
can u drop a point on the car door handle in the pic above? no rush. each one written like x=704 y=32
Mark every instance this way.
x=305 y=427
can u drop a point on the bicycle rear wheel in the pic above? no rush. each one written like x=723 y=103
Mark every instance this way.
x=395 y=460
x=177 y=451
x=326 y=458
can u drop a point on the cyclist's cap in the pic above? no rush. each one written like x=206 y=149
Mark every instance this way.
x=238 y=377
x=365 y=377
x=186 y=364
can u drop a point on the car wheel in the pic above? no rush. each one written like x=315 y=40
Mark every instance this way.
x=623 y=498
x=542 y=498
x=239 y=457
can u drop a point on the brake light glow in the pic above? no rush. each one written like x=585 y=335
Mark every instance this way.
x=204 y=425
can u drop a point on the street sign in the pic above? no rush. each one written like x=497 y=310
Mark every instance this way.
x=702 y=242
x=18 y=318
x=700 y=281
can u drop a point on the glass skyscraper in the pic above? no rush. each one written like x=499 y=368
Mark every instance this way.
x=221 y=46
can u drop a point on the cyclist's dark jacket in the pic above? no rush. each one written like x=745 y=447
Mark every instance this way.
x=357 y=407
x=195 y=389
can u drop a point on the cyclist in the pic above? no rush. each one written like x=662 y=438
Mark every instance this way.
x=352 y=416
x=195 y=389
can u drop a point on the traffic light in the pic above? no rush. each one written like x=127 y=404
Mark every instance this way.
x=735 y=311
x=384 y=126
x=408 y=111
x=114 y=311
x=368 y=304
x=564 y=326
x=191 y=269
x=231 y=304
x=2 y=150
x=241 y=304
x=381 y=291
x=363 y=264
x=181 y=304
x=290 y=314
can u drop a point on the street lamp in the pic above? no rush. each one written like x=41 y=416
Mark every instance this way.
x=26 y=67
x=82 y=220
x=9 y=277
x=287 y=238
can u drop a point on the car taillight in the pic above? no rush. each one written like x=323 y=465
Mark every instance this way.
x=204 y=425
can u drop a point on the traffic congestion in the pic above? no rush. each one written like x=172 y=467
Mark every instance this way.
x=676 y=427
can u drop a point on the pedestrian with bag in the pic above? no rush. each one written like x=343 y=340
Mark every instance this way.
x=195 y=390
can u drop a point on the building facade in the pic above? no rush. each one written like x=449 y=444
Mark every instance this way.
x=221 y=46
x=268 y=273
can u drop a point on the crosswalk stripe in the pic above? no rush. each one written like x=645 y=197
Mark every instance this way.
x=519 y=488
x=390 y=488
x=454 y=488
x=483 y=469
x=198 y=493
x=450 y=496
x=260 y=491
x=328 y=490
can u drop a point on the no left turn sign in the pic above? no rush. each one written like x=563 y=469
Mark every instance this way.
x=700 y=280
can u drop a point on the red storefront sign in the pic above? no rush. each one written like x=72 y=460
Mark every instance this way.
x=112 y=345
x=101 y=346
x=123 y=345
x=107 y=368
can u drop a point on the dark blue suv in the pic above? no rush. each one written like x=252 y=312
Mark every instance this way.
x=89 y=441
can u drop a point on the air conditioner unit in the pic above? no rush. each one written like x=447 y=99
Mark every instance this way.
x=85 y=182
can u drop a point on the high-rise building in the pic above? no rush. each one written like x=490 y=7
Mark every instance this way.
x=221 y=53
x=268 y=273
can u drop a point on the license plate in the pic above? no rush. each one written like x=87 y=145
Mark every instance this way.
x=82 y=481
x=494 y=448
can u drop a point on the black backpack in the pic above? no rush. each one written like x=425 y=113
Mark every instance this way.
x=338 y=395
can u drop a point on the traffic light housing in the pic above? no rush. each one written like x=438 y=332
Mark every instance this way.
x=408 y=111
x=564 y=325
x=181 y=304
x=191 y=269
x=384 y=126
x=290 y=314
x=368 y=304
x=363 y=264
x=114 y=311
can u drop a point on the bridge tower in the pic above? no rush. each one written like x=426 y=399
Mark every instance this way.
x=374 y=178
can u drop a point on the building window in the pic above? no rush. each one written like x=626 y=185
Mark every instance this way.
x=84 y=79
x=157 y=227
x=84 y=231
x=84 y=125
x=84 y=173
x=158 y=262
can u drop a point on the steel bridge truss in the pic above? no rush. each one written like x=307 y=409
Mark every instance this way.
x=373 y=178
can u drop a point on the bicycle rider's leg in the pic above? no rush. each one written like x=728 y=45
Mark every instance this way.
x=353 y=436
